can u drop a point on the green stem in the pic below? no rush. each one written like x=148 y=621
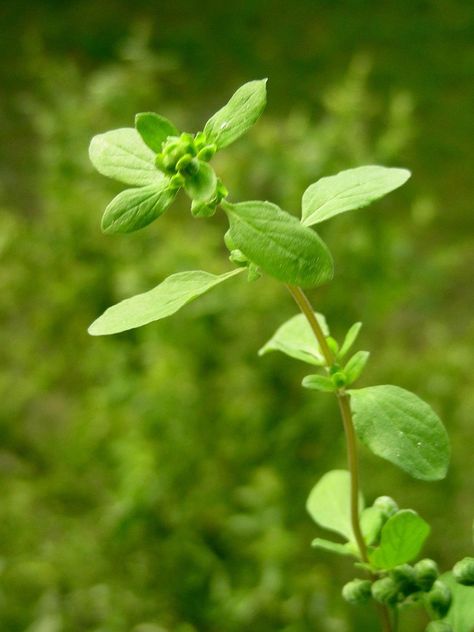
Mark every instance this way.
x=351 y=441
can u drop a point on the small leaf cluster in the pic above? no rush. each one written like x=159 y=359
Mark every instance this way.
x=340 y=374
x=160 y=160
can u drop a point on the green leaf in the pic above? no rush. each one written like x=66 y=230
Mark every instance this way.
x=122 y=155
x=135 y=208
x=162 y=301
x=356 y=365
x=400 y=427
x=401 y=540
x=349 y=190
x=154 y=129
x=279 y=244
x=329 y=503
x=238 y=115
x=333 y=547
x=461 y=612
x=371 y=522
x=349 y=339
x=202 y=185
x=296 y=338
x=319 y=383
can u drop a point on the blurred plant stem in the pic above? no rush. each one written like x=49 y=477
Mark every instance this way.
x=351 y=440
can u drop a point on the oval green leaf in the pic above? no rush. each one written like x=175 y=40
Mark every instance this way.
x=329 y=503
x=238 y=115
x=135 y=208
x=122 y=155
x=356 y=365
x=296 y=339
x=401 y=540
x=154 y=129
x=400 y=427
x=162 y=301
x=349 y=190
x=278 y=243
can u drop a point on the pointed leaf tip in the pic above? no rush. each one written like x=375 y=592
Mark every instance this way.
x=349 y=190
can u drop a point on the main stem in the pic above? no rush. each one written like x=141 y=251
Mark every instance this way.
x=351 y=442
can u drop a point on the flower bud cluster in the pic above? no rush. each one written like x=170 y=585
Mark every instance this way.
x=180 y=155
x=404 y=582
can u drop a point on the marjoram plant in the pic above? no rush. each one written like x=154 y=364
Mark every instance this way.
x=157 y=160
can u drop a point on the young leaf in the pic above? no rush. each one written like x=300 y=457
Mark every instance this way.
x=329 y=503
x=319 y=383
x=135 y=208
x=350 y=338
x=333 y=547
x=163 y=300
x=355 y=366
x=279 y=244
x=349 y=190
x=461 y=612
x=371 y=522
x=296 y=338
x=400 y=427
x=402 y=538
x=154 y=129
x=238 y=115
x=122 y=155
x=202 y=185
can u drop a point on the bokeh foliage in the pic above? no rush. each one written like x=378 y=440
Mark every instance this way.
x=155 y=481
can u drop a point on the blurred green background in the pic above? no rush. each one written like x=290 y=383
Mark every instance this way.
x=155 y=481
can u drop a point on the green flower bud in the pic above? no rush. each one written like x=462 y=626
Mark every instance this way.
x=183 y=162
x=207 y=152
x=387 y=506
x=357 y=591
x=238 y=257
x=339 y=379
x=191 y=168
x=438 y=626
x=426 y=573
x=385 y=591
x=439 y=598
x=203 y=209
x=404 y=575
x=463 y=571
x=176 y=181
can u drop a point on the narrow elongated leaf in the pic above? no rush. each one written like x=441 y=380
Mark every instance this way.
x=154 y=129
x=349 y=190
x=277 y=242
x=162 y=301
x=202 y=185
x=461 y=612
x=349 y=339
x=402 y=538
x=329 y=503
x=238 y=115
x=122 y=155
x=135 y=208
x=400 y=427
x=296 y=338
x=355 y=366
x=333 y=547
